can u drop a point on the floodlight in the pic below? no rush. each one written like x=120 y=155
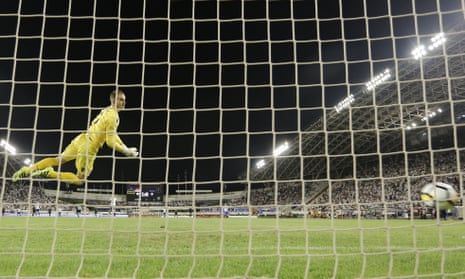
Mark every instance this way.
x=8 y=147
x=431 y=114
x=377 y=80
x=281 y=149
x=436 y=41
x=411 y=126
x=27 y=161
x=260 y=164
x=345 y=103
x=419 y=51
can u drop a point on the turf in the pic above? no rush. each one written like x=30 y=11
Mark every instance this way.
x=37 y=247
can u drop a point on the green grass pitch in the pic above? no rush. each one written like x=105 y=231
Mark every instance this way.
x=36 y=247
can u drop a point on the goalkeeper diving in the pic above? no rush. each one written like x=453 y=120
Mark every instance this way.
x=84 y=147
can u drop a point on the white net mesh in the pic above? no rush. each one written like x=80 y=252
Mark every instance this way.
x=277 y=139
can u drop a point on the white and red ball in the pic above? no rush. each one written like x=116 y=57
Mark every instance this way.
x=439 y=194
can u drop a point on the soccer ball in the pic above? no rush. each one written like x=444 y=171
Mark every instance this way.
x=440 y=194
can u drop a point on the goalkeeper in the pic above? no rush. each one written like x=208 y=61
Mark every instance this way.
x=84 y=147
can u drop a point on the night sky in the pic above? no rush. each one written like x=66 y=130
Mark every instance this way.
x=211 y=86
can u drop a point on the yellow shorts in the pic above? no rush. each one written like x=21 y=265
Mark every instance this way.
x=83 y=151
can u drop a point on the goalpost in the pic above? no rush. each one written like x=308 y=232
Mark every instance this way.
x=277 y=139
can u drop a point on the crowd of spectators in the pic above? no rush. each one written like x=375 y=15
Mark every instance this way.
x=22 y=198
x=397 y=189
x=395 y=192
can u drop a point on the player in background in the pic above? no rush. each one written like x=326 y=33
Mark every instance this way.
x=84 y=147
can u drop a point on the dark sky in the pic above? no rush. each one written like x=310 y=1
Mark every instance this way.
x=211 y=85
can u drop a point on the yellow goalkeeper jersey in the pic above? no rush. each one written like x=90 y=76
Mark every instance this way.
x=103 y=129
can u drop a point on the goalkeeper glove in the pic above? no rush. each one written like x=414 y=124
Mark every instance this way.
x=130 y=151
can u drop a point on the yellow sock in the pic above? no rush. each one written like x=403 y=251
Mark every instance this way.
x=67 y=177
x=42 y=164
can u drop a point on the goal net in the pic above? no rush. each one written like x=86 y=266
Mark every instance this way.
x=277 y=139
